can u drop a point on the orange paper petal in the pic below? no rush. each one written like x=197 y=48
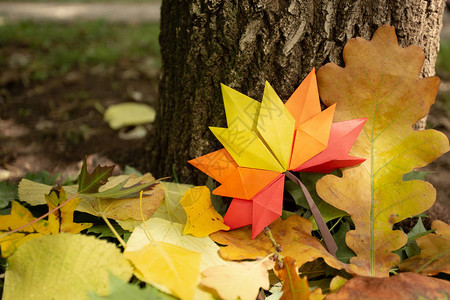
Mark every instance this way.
x=244 y=183
x=218 y=164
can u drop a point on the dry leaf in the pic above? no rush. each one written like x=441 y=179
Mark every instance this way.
x=434 y=256
x=294 y=287
x=235 y=280
x=401 y=286
x=293 y=234
x=202 y=218
x=381 y=82
x=174 y=267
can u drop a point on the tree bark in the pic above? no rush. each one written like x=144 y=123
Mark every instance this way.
x=244 y=43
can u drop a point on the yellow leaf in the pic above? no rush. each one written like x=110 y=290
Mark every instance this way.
x=294 y=287
x=64 y=216
x=19 y=217
x=174 y=267
x=381 y=82
x=203 y=219
x=293 y=234
x=434 y=256
x=235 y=280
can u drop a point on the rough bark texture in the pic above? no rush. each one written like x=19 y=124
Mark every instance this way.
x=244 y=43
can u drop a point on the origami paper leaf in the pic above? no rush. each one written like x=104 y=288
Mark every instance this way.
x=238 y=280
x=174 y=267
x=264 y=140
x=381 y=82
x=401 y=286
x=202 y=217
x=293 y=234
x=294 y=287
x=434 y=256
x=63 y=266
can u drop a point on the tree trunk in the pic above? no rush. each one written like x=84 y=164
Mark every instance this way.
x=244 y=43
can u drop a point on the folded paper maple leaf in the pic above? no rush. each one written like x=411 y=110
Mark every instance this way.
x=265 y=140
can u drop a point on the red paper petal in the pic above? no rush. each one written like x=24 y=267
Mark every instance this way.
x=342 y=137
x=239 y=213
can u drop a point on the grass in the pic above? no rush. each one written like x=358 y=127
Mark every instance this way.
x=47 y=49
x=443 y=59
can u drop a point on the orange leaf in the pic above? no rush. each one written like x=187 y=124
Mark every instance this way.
x=401 y=286
x=293 y=234
x=381 y=82
x=434 y=256
x=294 y=287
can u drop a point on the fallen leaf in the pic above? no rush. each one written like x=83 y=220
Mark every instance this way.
x=90 y=182
x=434 y=256
x=129 y=114
x=381 y=82
x=63 y=266
x=171 y=208
x=294 y=287
x=33 y=192
x=59 y=221
x=19 y=217
x=202 y=218
x=174 y=267
x=119 y=290
x=235 y=280
x=293 y=234
x=170 y=232
x=401 y=286
x=336 y=283
x=64 y=215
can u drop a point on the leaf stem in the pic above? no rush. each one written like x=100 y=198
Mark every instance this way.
x=277 y=255
x=323 y=228
x=116 y=234
x=40 y=218
x=142 y=216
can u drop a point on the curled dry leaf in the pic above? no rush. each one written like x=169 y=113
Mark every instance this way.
x=381 y=82
x=401 y=286
x=202 y=218
x=233 y=280
x=434 y=256
x=293 y=234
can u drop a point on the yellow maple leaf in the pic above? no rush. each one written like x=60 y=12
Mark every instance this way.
x=202 y=218
x=171 y=266
x=235 y=280
x=58 y=221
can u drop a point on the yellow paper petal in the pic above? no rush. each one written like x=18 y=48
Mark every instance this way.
x=174 y=267
x=276 y=125
x=203 y=219
x=247 y=149
x=241 y=110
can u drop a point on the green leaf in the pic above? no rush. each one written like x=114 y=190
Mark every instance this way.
x=8 y=193
x=105 y=232
x=216 y=200
x=344 y=253
x=120 y=290
x=130 y=170
x=42 y=177
x=119 y=191
x=416 y=175
x=90 y=182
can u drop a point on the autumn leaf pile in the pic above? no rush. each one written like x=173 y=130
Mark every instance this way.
x=162 y=240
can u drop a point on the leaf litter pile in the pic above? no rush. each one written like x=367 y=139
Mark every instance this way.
x=329 y=236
